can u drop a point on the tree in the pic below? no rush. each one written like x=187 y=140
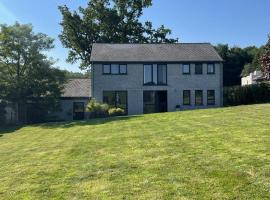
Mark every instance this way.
x=70 y=74
x=26 y=74
x=235 y=58
x=107 y=21
x=265 y=60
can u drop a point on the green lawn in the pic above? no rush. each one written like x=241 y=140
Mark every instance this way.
x=202 y=154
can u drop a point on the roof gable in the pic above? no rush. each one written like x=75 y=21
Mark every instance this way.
x=180 y=52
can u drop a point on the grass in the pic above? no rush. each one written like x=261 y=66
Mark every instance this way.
x=202 y=154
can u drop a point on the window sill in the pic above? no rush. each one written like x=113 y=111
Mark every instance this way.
x=155 y=84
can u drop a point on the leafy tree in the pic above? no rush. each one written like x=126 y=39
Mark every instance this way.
x=235 y=59
x=107 y=21
x=26 y=74
x=70 y=74
x=265 y=60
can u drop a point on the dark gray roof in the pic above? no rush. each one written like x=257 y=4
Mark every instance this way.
x=179 y=52
x=77 y=88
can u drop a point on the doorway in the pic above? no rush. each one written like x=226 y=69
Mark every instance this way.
x=154 y=101
x=78 y=110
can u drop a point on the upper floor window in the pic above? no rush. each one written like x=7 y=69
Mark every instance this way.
x=114 y=69
x=106 y=69
x=155 y=74
x=210 y=68
x=198 y=68
x=186 y=68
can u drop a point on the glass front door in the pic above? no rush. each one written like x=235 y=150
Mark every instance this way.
x=154 y=101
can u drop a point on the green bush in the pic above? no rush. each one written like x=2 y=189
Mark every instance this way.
x=116 y=111
x=249 y=94
x=97 y=109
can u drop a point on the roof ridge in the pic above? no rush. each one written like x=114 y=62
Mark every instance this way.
x=155 y=43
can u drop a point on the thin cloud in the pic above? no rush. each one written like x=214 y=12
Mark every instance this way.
x=6 y=15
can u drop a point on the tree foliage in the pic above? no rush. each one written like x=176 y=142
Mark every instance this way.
x=26 y=74
x=107 y=21
x=235 y=58
x=265 y=60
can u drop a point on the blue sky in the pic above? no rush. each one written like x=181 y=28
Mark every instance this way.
x=235 y=22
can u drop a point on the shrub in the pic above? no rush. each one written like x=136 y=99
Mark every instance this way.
x=249 y=94
x=116 y=112
x=97 y=109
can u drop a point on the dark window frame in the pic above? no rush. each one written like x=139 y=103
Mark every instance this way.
x=198 y=104
x=214 y=98
x=214 y=70
x=103 y=69
x=119 y=73
x=198 y=64
x=184 y=73
x=114 y=94
x=152 y=75
x=189 y=99
x=120 y=68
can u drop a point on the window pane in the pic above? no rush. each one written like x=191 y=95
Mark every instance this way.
x=186 y=69
x=198 y=97
x=106 y=69
x=123 y=69
x=155 y=74
x=109 y=98
x=186 y=97
x=115 y=68
x=210 y=69
x=147 y=74
x=198 y=69
x=149 y=102
x=162 y=74
x=121 y=100
x=210 y=97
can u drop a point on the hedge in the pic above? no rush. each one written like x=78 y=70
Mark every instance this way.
x=249 y=94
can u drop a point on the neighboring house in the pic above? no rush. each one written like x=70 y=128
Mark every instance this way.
x=147 y=78
x=76 y=95
x=252 y=78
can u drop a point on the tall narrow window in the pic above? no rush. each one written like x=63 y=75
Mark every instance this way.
x=186 y=69
x=148 y=75
x=162 y=74
x=210 y=68
x=210 y=97
x=186 y=97
x=106 y=69
x=198 y=68
x=198 y=97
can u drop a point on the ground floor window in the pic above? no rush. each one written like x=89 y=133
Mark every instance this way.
x=186 y=97
x=210 y=97
x=116 y=99
x=198 y=97
x=154 y=101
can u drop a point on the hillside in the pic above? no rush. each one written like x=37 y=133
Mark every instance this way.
x=201 y=154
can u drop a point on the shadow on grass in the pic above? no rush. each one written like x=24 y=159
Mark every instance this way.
x=98 y=121
x=9 y=129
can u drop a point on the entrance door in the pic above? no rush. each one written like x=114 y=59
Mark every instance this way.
x=78 y=110
x=154 y=101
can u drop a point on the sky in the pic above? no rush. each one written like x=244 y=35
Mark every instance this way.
x=234 y=22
